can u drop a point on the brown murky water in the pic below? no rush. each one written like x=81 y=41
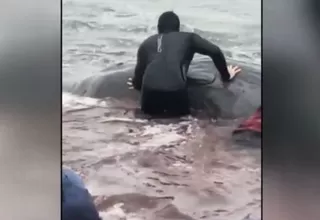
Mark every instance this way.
x=159 y=169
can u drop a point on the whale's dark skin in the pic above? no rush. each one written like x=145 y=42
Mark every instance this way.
x=241 y=99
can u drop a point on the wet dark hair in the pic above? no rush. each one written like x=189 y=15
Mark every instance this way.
x=168 y=21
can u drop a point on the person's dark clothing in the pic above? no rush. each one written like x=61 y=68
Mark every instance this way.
x=167 y=103
x=164 y=59
x=77 y=203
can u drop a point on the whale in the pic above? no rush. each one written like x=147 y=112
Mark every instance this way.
x=240 y=99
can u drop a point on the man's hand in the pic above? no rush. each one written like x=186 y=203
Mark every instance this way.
x=129 y=83
x=233 y=71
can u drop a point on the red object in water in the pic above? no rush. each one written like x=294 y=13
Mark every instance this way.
x=253 y=123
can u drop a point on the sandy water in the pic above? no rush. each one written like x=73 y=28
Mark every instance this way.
x=159 y=169
x=139 y=168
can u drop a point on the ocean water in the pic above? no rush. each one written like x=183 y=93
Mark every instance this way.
x=138 y=168
x=99 y=35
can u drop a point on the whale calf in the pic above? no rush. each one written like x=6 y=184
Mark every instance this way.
x=240 y=99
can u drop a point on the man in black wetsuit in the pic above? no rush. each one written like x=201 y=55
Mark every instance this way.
x=163 y=63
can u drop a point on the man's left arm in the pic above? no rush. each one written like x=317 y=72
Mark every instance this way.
x=140 y=68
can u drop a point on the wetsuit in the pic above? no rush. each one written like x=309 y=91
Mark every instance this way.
x=162 y=66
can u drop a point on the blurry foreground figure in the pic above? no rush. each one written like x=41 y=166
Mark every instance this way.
x=77 y=203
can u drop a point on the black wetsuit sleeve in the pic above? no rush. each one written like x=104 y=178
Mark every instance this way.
x=205 y=47
x=140 y=68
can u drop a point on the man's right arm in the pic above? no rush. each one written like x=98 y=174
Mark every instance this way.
x=205 y=47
